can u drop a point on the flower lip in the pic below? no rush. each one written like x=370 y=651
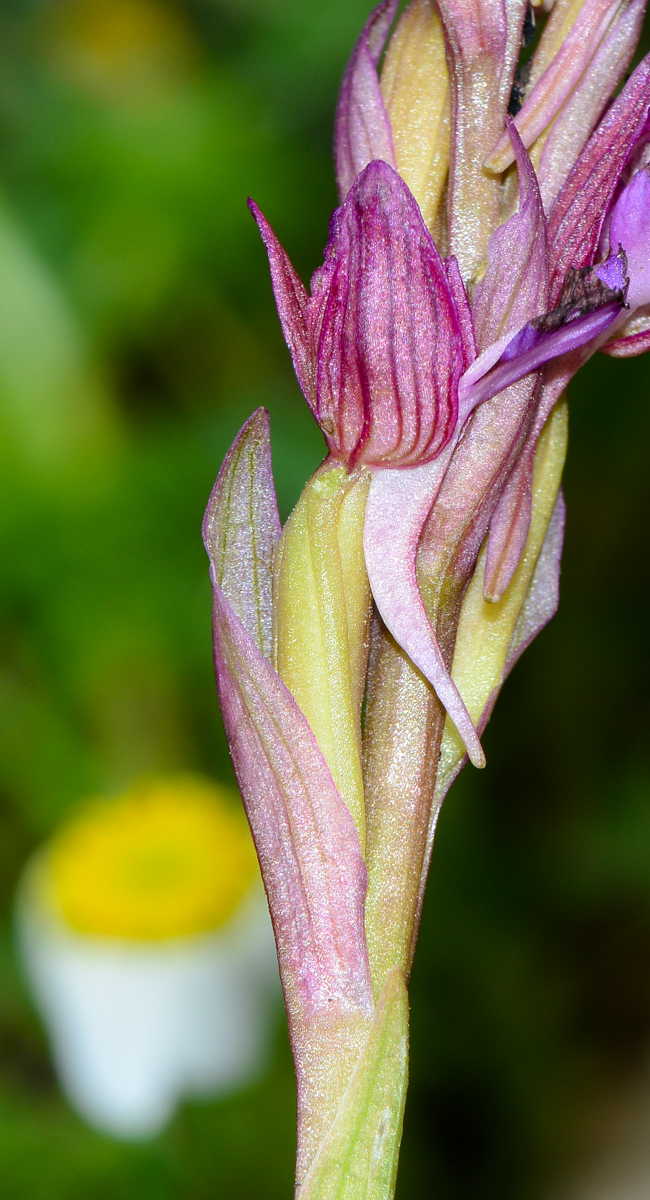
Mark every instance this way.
x=585 y=290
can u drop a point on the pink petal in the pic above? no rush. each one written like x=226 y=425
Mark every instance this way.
x=388 y=337
x=362 y=129
x=583 y=109
x=590 y=300
x=399 y=502
x=629 y=227
x=559 y=79
x=465 y=321
x=292 y=303
x=515 y=285
x=577 y=217
x=509 y=528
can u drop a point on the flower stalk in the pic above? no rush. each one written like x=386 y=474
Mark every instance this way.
x=474 y=263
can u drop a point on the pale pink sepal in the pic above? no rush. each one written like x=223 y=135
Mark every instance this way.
x=515 y=285
x=582 y=111
x=399 y=502
x=539 y=607
x=292 y=301
x=241 y=528
x=306 y=840
x=463 y=310
x=559 y=79
x=631 y=344
x=362 y=129
x=509 y=528
x=576 y=220
x=543 y=595
x=307 y=844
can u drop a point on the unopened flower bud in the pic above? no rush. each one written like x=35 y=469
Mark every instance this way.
x=415 y=87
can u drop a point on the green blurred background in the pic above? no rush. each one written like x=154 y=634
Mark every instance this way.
x=137 y=332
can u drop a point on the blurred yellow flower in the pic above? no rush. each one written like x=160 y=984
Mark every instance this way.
x=120 y=48
x=168 y=858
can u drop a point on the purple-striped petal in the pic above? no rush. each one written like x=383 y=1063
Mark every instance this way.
x=515 y=285
x=461 y=302
x=399 y=502
x=577 y=217
x=384 y=322
x=362 y=129
x=292 y=304
x=581 y=113
x=559 y=79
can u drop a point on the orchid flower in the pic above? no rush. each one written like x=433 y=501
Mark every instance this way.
x=475 y=262
x=385 y=352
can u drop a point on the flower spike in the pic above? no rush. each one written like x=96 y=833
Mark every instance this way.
x=436 y=371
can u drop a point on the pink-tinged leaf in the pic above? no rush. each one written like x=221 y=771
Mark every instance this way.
x=241 y=528
x=581 y=113
x=399 y=502
x=509 y=528
x=386 y=328
x=465 y=321
x=313 y=872
x=543 y=594
x=306 y=840
x=515 y=285
x=292 y=302
x=362 y=129
x=559 y=79
x=305 y=837
x=577 y=217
